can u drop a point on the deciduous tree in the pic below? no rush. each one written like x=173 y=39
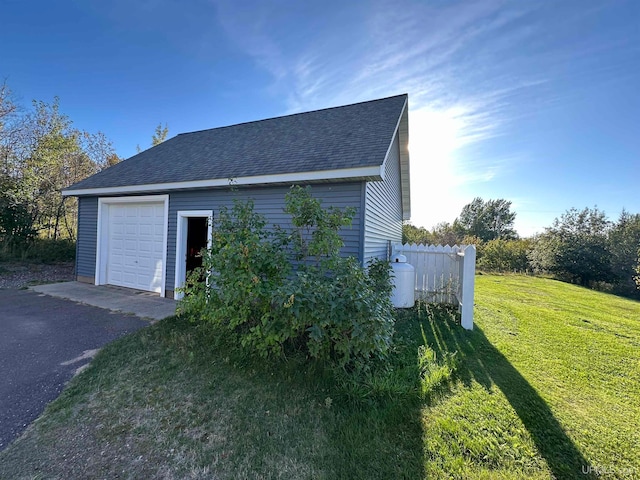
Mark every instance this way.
x=624 y=241
x=575 y=247
x=637 y=271
x=442 y=234
x=486 y=220
x=41 y=153
x=160 y=134
x=505 y=255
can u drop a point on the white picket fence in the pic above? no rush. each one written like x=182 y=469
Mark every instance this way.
x=444 y=274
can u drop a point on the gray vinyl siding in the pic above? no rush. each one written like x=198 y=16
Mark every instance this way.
x=87 y=236
x=383 y=208
x=269 y=201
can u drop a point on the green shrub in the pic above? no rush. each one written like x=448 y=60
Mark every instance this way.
x=344 y=310
x=505 y=255
x=277 y=291
x=39 y=250
x=51 y=251
x=16 y=225
x=246 y=264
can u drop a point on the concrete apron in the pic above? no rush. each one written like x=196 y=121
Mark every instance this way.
x=142 y=304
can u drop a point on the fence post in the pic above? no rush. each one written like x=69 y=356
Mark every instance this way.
x=468 y=281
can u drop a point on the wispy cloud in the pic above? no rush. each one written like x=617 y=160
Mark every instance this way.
x=394 y=47
x=470 y=67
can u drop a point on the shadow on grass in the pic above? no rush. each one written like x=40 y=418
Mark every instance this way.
x=484 y=363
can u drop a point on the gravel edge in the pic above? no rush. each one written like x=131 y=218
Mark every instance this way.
x=23 y=274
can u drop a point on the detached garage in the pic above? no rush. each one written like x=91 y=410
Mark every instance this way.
x=131 y=246
x=142 y=222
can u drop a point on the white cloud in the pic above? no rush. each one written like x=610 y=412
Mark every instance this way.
x=432 y=53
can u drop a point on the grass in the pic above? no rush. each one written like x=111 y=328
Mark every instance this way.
x=546 y=385
x=171 y=401
x=549 y=384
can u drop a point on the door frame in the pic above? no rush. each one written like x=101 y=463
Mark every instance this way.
x=102 y=237
x=181 y=245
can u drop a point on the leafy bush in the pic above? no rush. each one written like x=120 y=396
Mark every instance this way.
x=16 y=224
x=244 y=266
x=575 y=248
x=343 y=309
x=505 y=255
x=315 y=235
x=50 y=251
x=278 y=291
x=39 y=250
x=18 y=235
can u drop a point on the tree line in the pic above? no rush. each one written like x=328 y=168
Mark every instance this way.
x=580 y=246
x=41 y=153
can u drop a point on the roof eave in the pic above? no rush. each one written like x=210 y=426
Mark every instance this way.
x=346 y=174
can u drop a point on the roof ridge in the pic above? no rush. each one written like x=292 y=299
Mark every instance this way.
x=294 y=114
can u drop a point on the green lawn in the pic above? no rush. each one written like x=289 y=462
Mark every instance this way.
x=547 y=385
x=550 y=384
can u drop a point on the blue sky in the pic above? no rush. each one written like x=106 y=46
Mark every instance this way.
x=536 y=102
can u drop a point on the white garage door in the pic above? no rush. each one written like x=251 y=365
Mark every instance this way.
x=135 y=246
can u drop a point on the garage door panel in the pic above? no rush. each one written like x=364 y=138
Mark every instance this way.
x=158 y=247
x=130 y=278
x=131 y=246
x=146 y=230
x=145 y=263
x=136 y=246
x=146 y=238
x=147 y=212
x=130 y=260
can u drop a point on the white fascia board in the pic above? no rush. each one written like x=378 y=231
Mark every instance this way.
x=345 y=173
x=395 y=132
x=405 y=164
x=402 y=126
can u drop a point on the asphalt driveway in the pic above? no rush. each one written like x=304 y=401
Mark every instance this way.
x=43 y=342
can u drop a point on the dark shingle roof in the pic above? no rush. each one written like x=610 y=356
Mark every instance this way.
x=337 y=138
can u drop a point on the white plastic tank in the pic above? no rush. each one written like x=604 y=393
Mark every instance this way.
x=404 y=282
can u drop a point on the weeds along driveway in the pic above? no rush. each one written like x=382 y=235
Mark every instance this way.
x=43 y=342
